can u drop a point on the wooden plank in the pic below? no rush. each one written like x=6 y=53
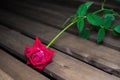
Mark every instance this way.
x=5 y=76
x=109 y=41
x=73 y=3
x=17 y=70
x=62 y=66
x=113 y=4
x=26 y=8
x=58 y=17
x=100 y=56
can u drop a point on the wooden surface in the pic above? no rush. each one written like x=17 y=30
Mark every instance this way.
x=57 y=15
x=17 y=70
x=63 y=66
x=74 y=59
x=109 y=3
x=100 y=56
x=5 y=76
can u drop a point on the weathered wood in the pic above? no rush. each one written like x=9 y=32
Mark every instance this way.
x=75 y=3
x=63 y=66
x=26 y=8
x=113 y=4
x=17 y=70
x=5 y=76
x=58 y=16
x=100 y=56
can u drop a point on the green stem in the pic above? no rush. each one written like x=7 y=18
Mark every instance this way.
x=66 y=21
x=116 y=14
x=98 y=11
x=52 y=41
x=110 y=30
x=102 y=7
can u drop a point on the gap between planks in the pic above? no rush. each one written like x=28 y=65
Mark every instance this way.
x=17 y=70
x=62 y=66
x=88 y=50
x=30 y=11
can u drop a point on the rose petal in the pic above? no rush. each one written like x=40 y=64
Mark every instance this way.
x=37 y=44
x=27 y=50
x=40 y=67
x=34 y=61
x=39 y=56
x=49 y=54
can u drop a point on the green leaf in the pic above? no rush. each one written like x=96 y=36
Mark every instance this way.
x=115 y=33
x=94 y=19
x=101 y=35
x=108 y=18
x=107 y=23
x=85 y=33
x=82 y=10
x=74 y=17
x=117 y=28
x=80 y=24
x=88 y=4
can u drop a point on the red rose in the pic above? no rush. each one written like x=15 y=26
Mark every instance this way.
x=39 y=56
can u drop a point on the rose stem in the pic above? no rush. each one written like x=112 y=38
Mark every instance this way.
x=52 y=41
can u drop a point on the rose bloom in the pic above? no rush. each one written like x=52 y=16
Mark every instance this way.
x=39 y=56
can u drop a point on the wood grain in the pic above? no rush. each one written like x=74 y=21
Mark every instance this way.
x=5 y=76
x=57 y=14
x=17 y=69
x=82 y=49
x=63 y=66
